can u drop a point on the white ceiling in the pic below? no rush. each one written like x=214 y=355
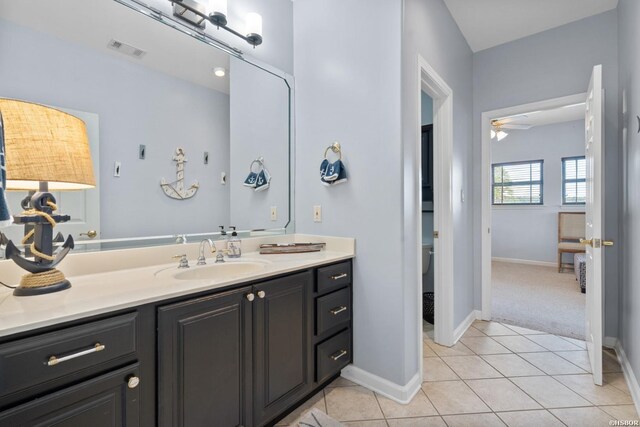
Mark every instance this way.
x=489 y=23
x=93 y=23
x=563 y=114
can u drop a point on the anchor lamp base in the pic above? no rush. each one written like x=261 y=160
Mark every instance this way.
x=21 y=291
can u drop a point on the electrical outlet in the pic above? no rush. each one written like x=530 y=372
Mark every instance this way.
x=274 y=213
x=317 y=213
x=223 y=178
x=116 y=169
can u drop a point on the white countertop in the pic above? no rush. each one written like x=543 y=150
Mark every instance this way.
x=107 y=291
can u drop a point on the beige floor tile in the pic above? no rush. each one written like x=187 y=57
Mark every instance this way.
x=372 y=423
x=317 y=401
x=426 y=351
x=484 y=345
x=524 y=331
x=512 y=365
x=554 y=343
x=578 y=358
x=493 y=328
x=352 y=404
x=417 y=422
x=617 y=380
x=453 y=397
x=475 y=420
x=434 y=369
x=541 y=418
x=598 y=395
x=551 y=363
x=418 y=407
x=502 y=395
x=549 y=393
x=610 y=362
x=579 y=343
x=519 y=344
x=341 y=382
x=471 y=367
x=473 y=332
x=582 y=417
x=622 y=412
x=458 y=349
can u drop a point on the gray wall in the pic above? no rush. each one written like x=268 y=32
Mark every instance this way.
x=629 y=38
x=343 y=93
x=259 y=128
x=136 y=105
x=531 y=232
x=427 y=109
x=430 y=30
x=548 y=65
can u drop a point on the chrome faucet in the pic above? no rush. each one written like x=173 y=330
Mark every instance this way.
x=201 y=258
x=184 y=262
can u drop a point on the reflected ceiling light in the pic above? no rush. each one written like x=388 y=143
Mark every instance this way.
x=501 y=135
x=219 y=72
x=215 y=11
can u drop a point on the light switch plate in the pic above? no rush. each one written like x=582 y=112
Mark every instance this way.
x=274 y=213
x=317 y=213
x=116 y=169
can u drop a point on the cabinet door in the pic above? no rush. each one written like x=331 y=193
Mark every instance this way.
x=204 y=361
x=283 y=327
x=106 y=401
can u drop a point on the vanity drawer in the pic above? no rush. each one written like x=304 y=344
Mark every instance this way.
x=48 y=357
x=333 y=355
x=333 y=310
x=334 y=277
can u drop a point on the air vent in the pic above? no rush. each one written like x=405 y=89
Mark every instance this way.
x=126 y=49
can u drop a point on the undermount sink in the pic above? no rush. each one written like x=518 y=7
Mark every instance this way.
x=220 y=270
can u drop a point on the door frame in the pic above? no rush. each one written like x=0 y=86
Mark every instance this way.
x=435 y=86
x=485 y=183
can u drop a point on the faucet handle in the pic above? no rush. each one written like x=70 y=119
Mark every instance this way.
x=184 y=262
x=220 y=256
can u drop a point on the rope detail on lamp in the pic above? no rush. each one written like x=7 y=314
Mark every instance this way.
x=46 y=150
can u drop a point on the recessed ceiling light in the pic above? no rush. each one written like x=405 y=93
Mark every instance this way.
x=219 y=72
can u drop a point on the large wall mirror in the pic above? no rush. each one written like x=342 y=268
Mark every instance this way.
x=146 y=88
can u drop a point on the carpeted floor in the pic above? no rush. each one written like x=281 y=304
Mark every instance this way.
x=537 y=298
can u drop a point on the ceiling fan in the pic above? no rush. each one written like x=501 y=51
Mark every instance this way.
x=498 y=126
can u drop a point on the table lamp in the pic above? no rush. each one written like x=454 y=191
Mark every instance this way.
x=45 y=150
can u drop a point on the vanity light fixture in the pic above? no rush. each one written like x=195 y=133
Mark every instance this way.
x=219 y=71
x=215 y=12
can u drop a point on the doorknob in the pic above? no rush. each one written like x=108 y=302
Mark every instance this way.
x=596 y=243
x=90 y=234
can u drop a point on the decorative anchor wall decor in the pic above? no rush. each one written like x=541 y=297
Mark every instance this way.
x=176 y=189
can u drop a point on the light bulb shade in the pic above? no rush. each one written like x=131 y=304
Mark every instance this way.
x=254 y=24
x=217 y=6
x=501 y=135
x=43 y=144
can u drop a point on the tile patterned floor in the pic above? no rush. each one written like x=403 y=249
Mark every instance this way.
x=497 y=375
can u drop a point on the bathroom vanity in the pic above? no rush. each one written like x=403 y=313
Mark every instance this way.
x=235 y=351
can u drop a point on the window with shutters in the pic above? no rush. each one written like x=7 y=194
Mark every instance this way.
x=518 y=183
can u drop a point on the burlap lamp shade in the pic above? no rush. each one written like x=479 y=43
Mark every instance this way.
x=45 y=144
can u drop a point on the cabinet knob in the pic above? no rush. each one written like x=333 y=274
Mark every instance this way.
x=133 y=382
x=261 y=294
x=251 y=296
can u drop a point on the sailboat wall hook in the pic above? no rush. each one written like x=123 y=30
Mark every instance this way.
x=176 y=189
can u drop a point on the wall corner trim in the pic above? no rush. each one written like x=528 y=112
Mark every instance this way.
x=629 y=376
x=464 y=325
x=401 y=394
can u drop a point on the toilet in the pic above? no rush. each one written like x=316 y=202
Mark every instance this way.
x=426 y=257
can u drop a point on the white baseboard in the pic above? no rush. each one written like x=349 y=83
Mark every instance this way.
x=632 y=380
x=610 y=342
x=525 y=261
x=401 y=394
x=462 y=327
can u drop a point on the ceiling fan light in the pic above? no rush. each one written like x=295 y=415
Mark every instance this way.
x=493 y=133
x=501 y=135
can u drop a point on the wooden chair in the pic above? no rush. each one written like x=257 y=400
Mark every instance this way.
x=571 y=228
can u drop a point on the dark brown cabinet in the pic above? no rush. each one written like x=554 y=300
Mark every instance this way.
x=204 y=361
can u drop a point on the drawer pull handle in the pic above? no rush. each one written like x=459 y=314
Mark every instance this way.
x=340 y=354
x=339 y=276
x=53 y=360
x=338 y=310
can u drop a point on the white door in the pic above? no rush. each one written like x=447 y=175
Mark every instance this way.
x=83 y=206
x=594 y=132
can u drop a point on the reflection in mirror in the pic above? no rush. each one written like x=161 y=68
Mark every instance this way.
x=145 y=90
